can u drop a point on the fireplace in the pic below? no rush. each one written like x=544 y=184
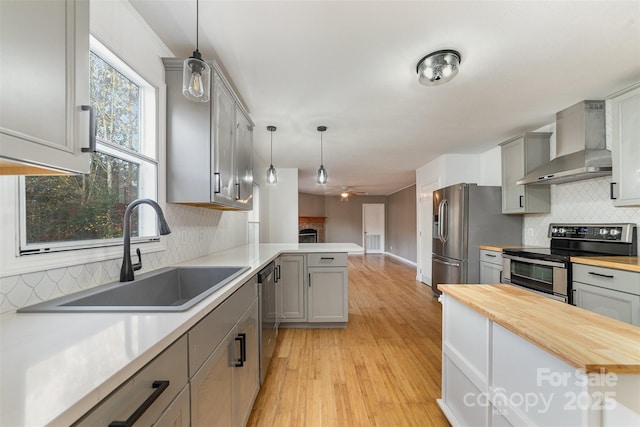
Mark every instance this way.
x=311 y=229
x=308 y=235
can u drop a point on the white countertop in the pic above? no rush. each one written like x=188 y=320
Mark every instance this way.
x=54 y=367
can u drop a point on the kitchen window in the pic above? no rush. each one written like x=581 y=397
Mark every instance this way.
x=81 y=211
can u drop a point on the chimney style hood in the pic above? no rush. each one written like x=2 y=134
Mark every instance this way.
x=580 y=147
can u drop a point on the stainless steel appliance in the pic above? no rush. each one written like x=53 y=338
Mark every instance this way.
x=547 y=271
x=269 y=317
x=466 y=216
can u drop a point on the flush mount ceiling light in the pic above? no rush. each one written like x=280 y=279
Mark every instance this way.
x=272 y=177
x=196 y=74
x=322 y=172
x=438 y=67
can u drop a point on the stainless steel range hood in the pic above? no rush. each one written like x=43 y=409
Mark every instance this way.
x=580 y=147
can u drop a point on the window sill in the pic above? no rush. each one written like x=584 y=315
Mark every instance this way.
x=48 y=261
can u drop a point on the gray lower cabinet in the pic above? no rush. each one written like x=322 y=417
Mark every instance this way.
x=208 y=377
x=158 y=383
x=225 y=385
x=294 y=290
x=490 y=266
x=328 y=288
x=610 y=292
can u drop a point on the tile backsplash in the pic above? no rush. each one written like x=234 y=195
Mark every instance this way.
x=195 y=232
x=577 y=202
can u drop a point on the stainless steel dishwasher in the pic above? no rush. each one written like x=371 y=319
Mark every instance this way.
x=269 y=317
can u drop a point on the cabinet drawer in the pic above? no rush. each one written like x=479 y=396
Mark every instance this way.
x=491 y=257
x=205 y=336
x=334 y=259
x=620 y=280
x=170 y=366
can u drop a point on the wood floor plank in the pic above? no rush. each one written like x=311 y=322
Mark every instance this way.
x=382 y=370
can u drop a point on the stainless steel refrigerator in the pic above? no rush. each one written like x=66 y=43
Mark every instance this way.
x=466 y=216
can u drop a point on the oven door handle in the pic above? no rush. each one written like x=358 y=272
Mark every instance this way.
x=544 y=294
x=535 y=261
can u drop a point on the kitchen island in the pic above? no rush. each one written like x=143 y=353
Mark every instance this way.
x=511 y=357
x=54 y=367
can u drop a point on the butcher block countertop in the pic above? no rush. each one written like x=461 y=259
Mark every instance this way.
x=628 y=263
x=499 y=248
x=583 y=339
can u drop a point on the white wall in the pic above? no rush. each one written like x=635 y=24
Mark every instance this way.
x=283 y=208
x=195 y=231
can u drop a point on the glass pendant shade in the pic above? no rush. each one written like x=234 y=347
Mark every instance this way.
x=438 y=67
x=196 y=79
x=272 y=176
x=322 y=175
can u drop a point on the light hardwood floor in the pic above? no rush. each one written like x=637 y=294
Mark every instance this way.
x=382 y=370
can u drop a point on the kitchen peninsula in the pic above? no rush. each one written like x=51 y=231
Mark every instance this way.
x=54 y=367
x=511 y=357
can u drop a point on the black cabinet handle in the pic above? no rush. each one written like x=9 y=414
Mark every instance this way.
x=490 y=255
x=611 y=190
x=277 y=273
x=243 y=350
x=608 y=276
x=327 y=258
x=309 y=279
x=216 y=184
x=521 y=199
x=160 y=387
x=92 y=129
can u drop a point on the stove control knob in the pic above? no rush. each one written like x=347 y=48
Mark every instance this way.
x=614 y=232
x=604 y=231
x=554 y=230
x=562 y=230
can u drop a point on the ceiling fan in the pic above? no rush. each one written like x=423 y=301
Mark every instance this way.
x=345 y=192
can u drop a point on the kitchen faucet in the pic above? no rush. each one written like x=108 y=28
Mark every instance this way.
x=126 y=272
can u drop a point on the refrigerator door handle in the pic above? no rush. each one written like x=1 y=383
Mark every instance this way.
x=439 y=228
x=451 y=264
x=444 y=221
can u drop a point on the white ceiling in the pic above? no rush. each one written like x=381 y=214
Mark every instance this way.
x=351 y=66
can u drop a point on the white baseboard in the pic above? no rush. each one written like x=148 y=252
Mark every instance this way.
x=404 y=260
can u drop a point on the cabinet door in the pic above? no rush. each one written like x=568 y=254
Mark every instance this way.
x=244 y=161
x=490 y=273
x=294 y=291
x=224 y=126
x=246 y=381
x=608 y=302
x=512 y=170
x=625 y=148
x=328 y=294
x=44 y=83
x=211 y=388
x=178 y=413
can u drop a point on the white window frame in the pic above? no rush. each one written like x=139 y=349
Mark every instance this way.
x=49 y=256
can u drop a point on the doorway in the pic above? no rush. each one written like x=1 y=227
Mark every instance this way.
x=373 y=228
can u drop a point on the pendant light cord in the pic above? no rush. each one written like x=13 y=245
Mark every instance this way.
x=197 y=22
x=271 y=147
x=321 y=151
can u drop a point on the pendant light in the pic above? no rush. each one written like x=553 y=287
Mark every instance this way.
x=322 y=172
x=196 y=74
x=272 y=177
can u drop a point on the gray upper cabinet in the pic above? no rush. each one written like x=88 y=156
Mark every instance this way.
x=209 y=145
x=625 y=148
x=520 y=155
x=42 y=121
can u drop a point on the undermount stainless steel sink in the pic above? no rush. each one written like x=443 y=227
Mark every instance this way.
x=168 y=289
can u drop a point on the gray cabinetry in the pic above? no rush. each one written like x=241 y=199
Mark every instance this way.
x=328 y=288
x=612 y=293
x=225 y=384
x=44 y=84
x=625 y=148
x=294 y=290
x=520 y=155
x=209 y=145
x=490 y=266
x=159 y=382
